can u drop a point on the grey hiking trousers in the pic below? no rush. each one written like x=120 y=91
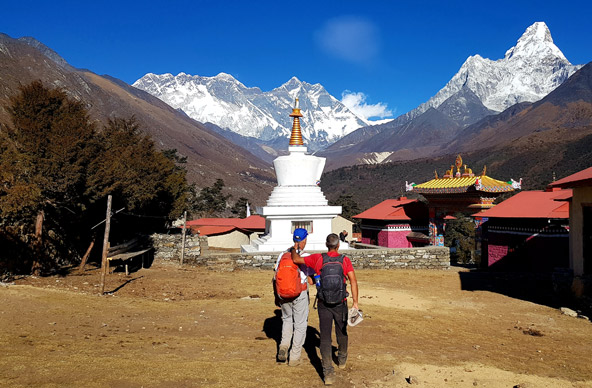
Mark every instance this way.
x=294 y=323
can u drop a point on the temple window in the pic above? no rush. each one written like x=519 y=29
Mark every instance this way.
x=302 y=224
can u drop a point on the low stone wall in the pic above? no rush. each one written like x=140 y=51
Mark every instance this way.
x=168 y=246
x=386 y=258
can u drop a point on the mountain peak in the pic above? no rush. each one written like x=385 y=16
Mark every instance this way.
x=294 y=81
x=225 y=76
x=537 y=32
x=536 y=41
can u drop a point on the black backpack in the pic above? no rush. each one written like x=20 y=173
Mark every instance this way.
x=332 y=289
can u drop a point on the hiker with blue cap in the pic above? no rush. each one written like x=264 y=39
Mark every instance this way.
x=291 y=291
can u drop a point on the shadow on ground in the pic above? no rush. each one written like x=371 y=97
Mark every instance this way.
x=546 y=289
x=272 y=327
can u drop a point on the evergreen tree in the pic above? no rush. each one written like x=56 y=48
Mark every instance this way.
x=349 y=208
x=140 y=178
x=240 y=207
x=45 y=153
x=460 y=235
x=210 y=201
x=56 y=171
x=43 y=163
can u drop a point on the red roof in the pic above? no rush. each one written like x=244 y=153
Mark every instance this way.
x=390 y=209
x=579 y=179
x=532 y=204
x=208 y=226
x=212 y=230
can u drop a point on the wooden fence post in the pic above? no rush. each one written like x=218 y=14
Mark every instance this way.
x=104 y=263
x=183 y=238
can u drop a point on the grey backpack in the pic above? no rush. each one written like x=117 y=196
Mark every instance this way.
x=332 y=289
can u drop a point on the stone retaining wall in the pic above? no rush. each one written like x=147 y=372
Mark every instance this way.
x=168 y=246
x=414 y=258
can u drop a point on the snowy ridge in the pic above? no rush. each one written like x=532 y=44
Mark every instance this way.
x=224 y=101
x=528 y=72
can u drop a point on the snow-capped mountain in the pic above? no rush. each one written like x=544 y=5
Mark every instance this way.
x=226 y=102
x=528 y=72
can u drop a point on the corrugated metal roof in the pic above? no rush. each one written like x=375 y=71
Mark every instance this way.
x=390 y=209
x=462 y=184
x=580 y=178
x=531 y=204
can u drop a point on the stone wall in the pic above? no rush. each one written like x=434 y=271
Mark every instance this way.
x=384 y=258
x=168 y=246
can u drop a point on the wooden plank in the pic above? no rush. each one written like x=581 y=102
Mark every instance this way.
x=126 y=246
x=128 y=255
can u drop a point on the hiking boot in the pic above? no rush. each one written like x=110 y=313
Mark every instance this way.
x=283 y=353
x=341 y=361
x=330 y=379
x=295 y=362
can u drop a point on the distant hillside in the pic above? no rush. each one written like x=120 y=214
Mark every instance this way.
x=209 y=155
x=371 y=184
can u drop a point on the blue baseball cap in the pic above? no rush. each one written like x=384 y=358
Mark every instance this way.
x=300 y=234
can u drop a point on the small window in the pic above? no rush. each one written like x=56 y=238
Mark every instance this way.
x=302 y=224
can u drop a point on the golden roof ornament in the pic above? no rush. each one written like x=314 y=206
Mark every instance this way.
x=448 y=173
x=296 y=136
x=467 y=171
x=458 y=163
x=464 y=183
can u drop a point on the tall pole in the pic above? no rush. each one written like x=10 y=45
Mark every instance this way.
x=104 y=263
x=183 y=234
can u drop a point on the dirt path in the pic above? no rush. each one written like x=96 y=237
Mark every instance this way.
x=190 y=327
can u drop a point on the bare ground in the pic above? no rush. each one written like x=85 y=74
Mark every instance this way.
x=172 y=326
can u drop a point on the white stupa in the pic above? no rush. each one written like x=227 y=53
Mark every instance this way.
x=297 y=201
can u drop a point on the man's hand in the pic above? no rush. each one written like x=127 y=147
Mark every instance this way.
x=295 y=256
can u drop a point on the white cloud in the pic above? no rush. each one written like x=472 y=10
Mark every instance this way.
x=350 y=38
x=356 y=102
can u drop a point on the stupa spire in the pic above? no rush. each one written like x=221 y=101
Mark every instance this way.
x=296 y=136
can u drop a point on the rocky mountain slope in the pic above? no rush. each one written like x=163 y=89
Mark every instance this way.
x=209 y=155
x=250 y=112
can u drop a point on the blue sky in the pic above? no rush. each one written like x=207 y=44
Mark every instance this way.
x=390 y=56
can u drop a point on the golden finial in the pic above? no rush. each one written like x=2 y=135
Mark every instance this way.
x=436 y=174
x=484 y=170
x=458 y=163
x=296 y=136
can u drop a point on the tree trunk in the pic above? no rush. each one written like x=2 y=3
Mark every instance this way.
x=36 y=267
x=86 y=255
